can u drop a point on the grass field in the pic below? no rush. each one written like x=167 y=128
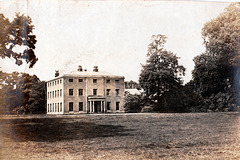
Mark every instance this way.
x=121 y=136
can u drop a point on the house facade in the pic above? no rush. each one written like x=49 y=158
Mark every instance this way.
x=84 y=91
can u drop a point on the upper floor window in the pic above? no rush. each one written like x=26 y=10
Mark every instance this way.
x=94 y=91
x=117 y=81
x=80 y=92
x=117 y=92
x=60 y=81
x=108 y=81
x=70 y=80
x=94 y=80
x=60 y=92
x=80 y=80
x=108 y=91
x=70 y=92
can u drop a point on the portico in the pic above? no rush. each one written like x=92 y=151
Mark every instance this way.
x=96 y=105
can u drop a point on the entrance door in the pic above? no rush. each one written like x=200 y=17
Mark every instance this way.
x=97 y=106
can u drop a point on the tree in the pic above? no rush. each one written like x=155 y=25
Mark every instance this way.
x=161 y=73
x=21 y=92
x=15 y=36
x=133 y=103
x=215 y=72
x=131 y=85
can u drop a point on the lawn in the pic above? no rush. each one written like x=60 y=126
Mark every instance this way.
x=121 y=136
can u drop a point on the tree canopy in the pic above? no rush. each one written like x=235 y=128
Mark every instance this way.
x=21 y=92
x=216 y=71
x=161 y=73
x=17 y=40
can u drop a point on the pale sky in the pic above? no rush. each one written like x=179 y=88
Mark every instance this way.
x=114 y=35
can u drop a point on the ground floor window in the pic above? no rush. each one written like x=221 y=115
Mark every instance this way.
x=60 y=107
x=117 y=105
x=70 y=106
x=80 y=106
x=108 y=105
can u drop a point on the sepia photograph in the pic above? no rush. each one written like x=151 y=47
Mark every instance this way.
x=119 y=80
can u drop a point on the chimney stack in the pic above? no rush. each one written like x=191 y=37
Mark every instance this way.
x=95 y=69
x=80 y=68
x=56 y=73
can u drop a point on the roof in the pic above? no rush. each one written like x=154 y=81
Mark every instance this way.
x=87 y=74
x=133 y=91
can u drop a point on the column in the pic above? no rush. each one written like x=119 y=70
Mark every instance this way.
x=93 y=106
x=90 y=107
x=101 y=106
x=105 y=107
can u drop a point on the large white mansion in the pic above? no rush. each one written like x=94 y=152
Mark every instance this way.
x=84 y=91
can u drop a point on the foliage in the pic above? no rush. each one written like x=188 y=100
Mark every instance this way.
x=133 y=103
x=15 y=36
x=161 y=73
x=21 y=92
x=215 y=72
x=131 y=85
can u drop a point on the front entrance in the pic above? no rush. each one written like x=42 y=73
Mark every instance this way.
x=97 y=106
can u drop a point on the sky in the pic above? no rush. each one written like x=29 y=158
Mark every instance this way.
x=113 y=35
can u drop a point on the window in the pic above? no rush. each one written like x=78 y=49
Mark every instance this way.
x=80 y=106
x=117 y=92
x=53 y=107
x=108 y=105
x=60 y=81
x=55 y=94
x=50 y=107
x=52 y=94
x=94 y=80
x=60 y=92
x=117 y=105
x=70 y=80
x=61 y=107
x=80 y=92
x=70 y=92
x=50 y=83
x=108 y=80
x=94 y=91
x=70 y=106
x=117 y=81
x=108 y=92
x=80 y=80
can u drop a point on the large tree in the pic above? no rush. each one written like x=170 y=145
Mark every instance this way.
x=21 y=91
x=161 y=73
x=216 y=70
x=17 y=40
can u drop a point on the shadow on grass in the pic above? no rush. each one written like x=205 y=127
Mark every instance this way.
x=57 y=129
